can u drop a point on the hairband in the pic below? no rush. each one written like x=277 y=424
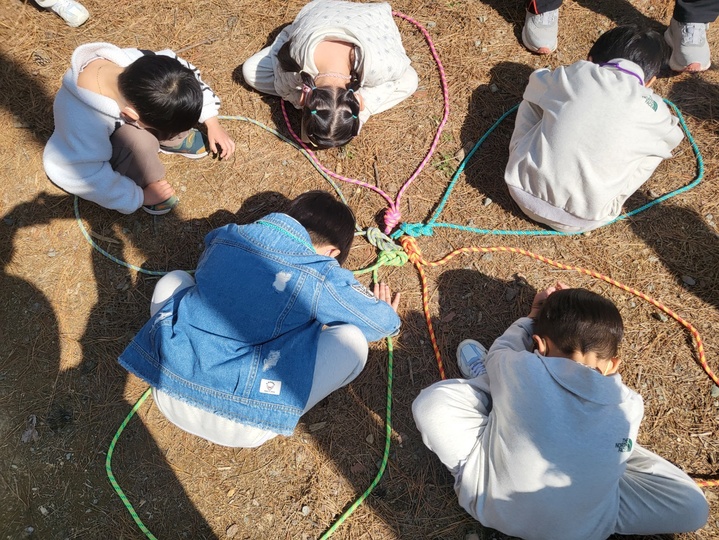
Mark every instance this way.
x=313 y=111
x=351 y=90
x=354 y=116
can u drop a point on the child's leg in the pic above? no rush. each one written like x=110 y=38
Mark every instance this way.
x=167 y=287
x=259 y=73
x=134 y=154
x=655 y=497
x=451 y=416
x=341 y=356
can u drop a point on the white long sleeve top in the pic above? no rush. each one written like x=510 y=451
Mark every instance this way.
x=555 y=445
x=586 y=137
x=77 y=155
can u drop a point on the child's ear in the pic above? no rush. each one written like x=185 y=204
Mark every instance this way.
x=333 y=252
x=612 y=366
x=541 y=344
x=130 y=113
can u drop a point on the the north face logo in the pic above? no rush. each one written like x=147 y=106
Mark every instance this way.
x=624 y=446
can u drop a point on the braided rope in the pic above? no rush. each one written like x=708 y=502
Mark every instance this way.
x=426 y=229
x=415 y=255
x=393 y=213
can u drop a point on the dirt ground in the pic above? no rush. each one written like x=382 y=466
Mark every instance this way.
x=68 y=311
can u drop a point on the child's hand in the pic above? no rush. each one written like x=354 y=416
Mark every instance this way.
x=542 y=296
x=157 y=192
x=218 y=136
x=381 y=292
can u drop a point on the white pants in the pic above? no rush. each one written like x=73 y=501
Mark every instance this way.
x=341 y=355
x=655 y=497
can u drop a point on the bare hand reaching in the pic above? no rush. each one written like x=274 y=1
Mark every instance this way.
x=381 y=292
x=542 y=296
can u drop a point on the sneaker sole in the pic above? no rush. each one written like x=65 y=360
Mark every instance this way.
x=188 y=156
x=459 y=347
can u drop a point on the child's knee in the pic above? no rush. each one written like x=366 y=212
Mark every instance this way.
x=427 y=408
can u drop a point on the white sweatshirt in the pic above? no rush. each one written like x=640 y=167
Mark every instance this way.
x=555 y=445
x=371 y=28
x=586 y=137
x=77 y=156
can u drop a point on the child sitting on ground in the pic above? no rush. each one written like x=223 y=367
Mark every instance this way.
x=115 y=110
x=339 y=62
x=590 y=134
x=541 y=434
x=270 y=325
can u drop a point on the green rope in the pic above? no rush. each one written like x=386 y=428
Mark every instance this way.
x=108 y=466
x=385 y=456
x=427 y=229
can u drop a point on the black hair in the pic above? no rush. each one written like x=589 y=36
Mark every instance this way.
x=578 y=320
x=166 y=95
x=646 y=48
x=330 y=115
x=327 y=220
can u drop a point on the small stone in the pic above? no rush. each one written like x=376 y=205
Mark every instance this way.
x=587 y=233
x=484 y=49
x=183 y=188
x=370 y=439
x=709 y=217
x=231 y=492
x=632 y=304
x=487 y=257
x=478 y=43
x=255 y=502
x=653 y=259
x=493 y=88
x=431 y=24
x=305 y=510
x=51 y=253
x=487 y=201
x=317 y=426
x=653 y=194
x=479 y=316
x=459 y=154
x=510 y=294
x=688 y=280
x=481 y=18
x=44 y=511
x=715 y=391
x=660 y=316
x=232 y=530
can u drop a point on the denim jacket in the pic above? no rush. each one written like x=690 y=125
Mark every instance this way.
x=242 y=342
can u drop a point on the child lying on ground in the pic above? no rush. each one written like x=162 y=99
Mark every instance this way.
x=541 y=435
x=270 y=325
x=590 y=134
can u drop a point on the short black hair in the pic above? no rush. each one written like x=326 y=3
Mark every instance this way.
x=646 y=48
x=327 y=220
x=166 y=95
x=578 y=320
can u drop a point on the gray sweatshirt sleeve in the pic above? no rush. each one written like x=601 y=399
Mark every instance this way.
x=517 y=338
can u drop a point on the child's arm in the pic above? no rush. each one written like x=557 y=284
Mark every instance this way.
x=344 y=300
x=385 y=96
x=210 y=109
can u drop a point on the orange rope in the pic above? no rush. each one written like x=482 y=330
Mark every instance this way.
x=415 y=256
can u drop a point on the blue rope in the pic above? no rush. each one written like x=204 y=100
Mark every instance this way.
x=427 y=229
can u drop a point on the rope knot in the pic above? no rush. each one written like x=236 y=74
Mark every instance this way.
x=393 y=257
x=380 y=240
x=417 y=229
x=392 y=217
x=413 y=252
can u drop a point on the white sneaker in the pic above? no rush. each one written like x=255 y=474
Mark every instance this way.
x=470 y=358
x=690 y=50
x=539 y=34
x=74 y=13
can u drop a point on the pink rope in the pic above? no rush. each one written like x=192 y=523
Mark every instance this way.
x=393 y=214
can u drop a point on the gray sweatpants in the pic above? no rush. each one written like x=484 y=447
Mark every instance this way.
x=655 y=497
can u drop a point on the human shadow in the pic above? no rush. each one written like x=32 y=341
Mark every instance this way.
x=485 y=170
x=77 y=408
x=696 y=97
x=686 y=243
